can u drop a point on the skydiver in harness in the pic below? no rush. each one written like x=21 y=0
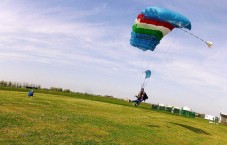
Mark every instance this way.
x=142 y=96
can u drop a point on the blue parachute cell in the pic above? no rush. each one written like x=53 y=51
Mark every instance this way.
x=143 y=42
x=165 y=15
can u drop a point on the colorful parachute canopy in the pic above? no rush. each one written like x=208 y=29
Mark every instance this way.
x=147 y=74
x=152 y=24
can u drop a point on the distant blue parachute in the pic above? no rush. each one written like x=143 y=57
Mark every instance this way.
x=147 y=74
x=146 y=78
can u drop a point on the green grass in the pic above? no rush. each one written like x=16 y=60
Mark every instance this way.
x=76 y=118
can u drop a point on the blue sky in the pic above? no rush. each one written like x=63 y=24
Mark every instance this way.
x=84 y=46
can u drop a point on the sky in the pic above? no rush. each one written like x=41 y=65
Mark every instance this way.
x=83 y=45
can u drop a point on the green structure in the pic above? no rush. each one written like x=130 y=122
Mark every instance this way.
x=184 y=111
x=187 y=113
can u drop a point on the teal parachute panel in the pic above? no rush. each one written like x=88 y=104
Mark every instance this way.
x=147 y=74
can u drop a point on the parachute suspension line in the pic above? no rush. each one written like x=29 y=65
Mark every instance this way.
x=142 y=67
x=192 y=34
x=161 y=58
x=209 y=44
x=144 y=83
x=145 y=66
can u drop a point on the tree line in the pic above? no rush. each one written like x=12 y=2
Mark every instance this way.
x=30 y=86
x=19 y=84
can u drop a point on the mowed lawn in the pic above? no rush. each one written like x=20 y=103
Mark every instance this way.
x=54 y=119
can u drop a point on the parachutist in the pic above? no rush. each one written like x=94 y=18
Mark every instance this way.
x=142 y=96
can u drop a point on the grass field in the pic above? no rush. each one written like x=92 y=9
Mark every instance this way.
x=83 y=119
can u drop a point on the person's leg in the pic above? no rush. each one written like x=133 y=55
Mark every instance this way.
x=136 y=102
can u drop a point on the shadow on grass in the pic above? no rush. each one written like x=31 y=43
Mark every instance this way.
x=193 y=129
x=153 y=126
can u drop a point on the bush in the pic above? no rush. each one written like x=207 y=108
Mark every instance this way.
x=56 y=89
x=67 y=90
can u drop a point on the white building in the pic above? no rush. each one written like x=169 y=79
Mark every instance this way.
x=210 y=117
x=223 y=118
x=186 y=108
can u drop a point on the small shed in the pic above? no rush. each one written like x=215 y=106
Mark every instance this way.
x=169 y=108
x=223 y=118
x=187 y=112
x=186 y=108
x=162 y=107
x=176 y=110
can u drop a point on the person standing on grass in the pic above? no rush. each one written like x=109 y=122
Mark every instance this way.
x=31 y=93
